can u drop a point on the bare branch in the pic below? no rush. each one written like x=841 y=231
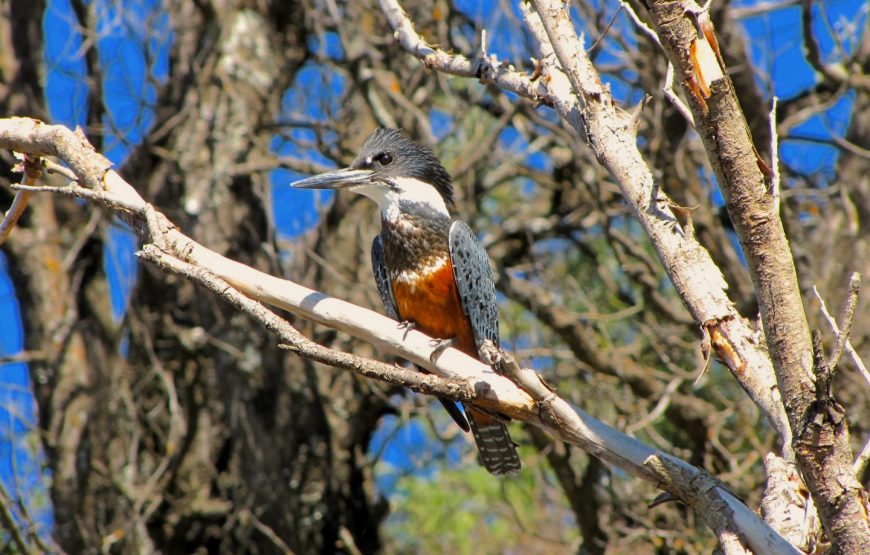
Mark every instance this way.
x=487 y=70
x=9 y=524
x=860 y=464
x=774 y=155
x=856 y=360
x=31 y=172
x=19 y=205
x=847 y=315
x=293 y=340
x=690 y=41
x=761 y=8
x=683 y=258
x=831 y=72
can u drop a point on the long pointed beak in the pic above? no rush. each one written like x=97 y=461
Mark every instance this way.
x=338 y=179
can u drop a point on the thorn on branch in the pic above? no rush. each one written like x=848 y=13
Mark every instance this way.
x=538 y=68
x=638 y=110
x=683 y=214
x=662 y=498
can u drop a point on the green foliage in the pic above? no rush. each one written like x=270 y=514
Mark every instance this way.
x=465 y=510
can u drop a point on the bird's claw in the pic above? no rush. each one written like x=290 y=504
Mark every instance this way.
x=406 y=325
x=440 y=345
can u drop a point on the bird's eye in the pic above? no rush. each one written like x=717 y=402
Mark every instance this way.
x=385 y=158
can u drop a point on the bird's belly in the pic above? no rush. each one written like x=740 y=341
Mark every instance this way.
x=431 y=301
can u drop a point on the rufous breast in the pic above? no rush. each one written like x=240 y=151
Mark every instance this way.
x=429 y=299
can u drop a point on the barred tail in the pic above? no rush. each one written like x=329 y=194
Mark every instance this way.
x=498 y=454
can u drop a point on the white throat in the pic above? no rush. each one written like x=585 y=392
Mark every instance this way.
x=404 y=190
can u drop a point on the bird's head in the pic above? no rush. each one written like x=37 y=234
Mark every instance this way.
x=395 y=172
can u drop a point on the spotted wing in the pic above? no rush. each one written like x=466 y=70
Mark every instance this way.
x=474 y=283
x=382 y=278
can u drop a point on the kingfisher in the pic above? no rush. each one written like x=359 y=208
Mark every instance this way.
x=431 y=271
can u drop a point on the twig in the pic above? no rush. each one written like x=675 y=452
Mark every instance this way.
x=668 y=89
x=832 y=72
x=8 y=522
x=606 y=29
x=503 y=76
x=54 y=167
x=856 y=360
x=671 y=95
x=658 y=409
x=640 y=23
x=760 y=8
x=270 y=534
x=860 y=464
x=19 y=204
x=29 y=167
x=774 y=156
x=847 y=315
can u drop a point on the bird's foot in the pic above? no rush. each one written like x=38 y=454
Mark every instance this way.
x=407 y=325
x=440 y=345
x=490 y=354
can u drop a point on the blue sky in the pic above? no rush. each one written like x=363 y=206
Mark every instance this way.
x=135 y=46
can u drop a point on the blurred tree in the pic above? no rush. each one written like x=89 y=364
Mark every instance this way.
x=172 y=424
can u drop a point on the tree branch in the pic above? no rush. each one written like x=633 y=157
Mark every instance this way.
x=30 y=173
x=846 y=317
x=487 y=69
x=689 y=266
x=856 y=359
x=689 y=38
x=292 y=340
x=695 y=276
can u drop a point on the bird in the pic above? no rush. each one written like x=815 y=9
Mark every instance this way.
x=432 y=273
